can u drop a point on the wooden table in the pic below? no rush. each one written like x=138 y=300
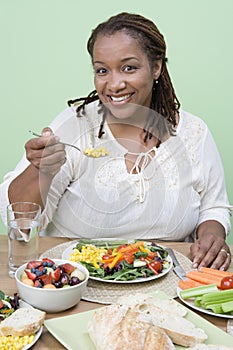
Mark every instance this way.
x=47 y=341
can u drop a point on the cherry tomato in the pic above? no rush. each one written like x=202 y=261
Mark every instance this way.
x=227 y=283
x=156 y=265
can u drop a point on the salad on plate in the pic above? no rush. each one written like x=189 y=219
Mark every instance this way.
x=8 y=305
x=120 y=261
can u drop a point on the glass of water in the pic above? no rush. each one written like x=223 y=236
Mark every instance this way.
x=23 y=225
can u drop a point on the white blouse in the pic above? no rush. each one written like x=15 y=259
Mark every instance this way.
x=176 y=190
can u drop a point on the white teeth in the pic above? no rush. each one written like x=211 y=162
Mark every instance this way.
x=119 y=99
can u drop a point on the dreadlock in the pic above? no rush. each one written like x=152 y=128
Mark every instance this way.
x=164 y=101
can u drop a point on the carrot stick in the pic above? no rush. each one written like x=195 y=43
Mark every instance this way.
x=188 y=283
x=204 y=278
x=215 y=272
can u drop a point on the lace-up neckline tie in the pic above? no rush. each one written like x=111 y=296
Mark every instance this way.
x=138 y=169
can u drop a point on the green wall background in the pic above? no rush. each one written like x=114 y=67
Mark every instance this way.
x=43 y=63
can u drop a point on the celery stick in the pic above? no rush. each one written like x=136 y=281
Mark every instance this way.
x=197 y=301
x=218 y=297
x=227 y=307
x=215 y=300
x=216 y=308
x=197 y=291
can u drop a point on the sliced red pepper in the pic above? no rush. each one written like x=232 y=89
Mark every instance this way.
x=107 y=257
x=129 y=258
x=122 y=246
x=150 y=265
x=152 y=255
x=143 y=259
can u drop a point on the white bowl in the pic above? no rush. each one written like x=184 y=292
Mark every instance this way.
x=52 y=300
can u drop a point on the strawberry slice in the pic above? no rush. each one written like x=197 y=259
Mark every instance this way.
x=56 y=274
x=46 y=279
x=1 y=304
x=68 y=268
x=48 y=260
x=30 y=275
x=33 y=264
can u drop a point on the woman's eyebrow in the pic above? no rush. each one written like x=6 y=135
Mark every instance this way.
x=123 y=60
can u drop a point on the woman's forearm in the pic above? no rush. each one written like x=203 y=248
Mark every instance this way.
x=31 y=185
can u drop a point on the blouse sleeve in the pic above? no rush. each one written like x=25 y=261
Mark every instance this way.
x=59 y=127
x=8 y=178
x=214 y=200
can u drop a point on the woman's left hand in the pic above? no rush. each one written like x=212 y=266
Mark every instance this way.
x=210 y=249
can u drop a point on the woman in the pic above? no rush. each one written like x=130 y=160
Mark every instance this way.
x=163 y=177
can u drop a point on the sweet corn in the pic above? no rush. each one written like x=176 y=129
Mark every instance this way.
x=15 y=343
x=96 y=152
x=89 y=253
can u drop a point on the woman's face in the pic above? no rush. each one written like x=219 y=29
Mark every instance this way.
x=123 y=75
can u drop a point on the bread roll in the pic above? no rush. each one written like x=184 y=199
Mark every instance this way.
x=23 y=321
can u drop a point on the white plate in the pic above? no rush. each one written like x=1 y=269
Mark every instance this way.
x=68 y=251
x=190 y=302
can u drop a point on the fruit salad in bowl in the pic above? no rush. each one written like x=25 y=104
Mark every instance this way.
x=51 y=285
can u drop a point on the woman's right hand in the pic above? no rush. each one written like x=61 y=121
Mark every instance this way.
x=46 y=153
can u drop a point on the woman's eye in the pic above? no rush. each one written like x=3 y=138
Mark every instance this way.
x=100 y=71
x=129 y=68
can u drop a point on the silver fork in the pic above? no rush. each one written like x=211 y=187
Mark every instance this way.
x=92 y=154
x=230 y=326
x=63 y=143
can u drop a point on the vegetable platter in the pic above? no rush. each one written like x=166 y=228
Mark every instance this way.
x=116 y=261
x=209 y=291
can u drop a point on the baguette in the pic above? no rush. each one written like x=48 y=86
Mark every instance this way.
x=132 y=321
x=166 y=314
x=181 y=331
x=118 y=328
x=141 y=300
x=23 y=321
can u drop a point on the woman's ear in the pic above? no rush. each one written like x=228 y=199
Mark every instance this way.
x=157 y=69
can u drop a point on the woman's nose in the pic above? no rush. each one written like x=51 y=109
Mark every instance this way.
x=116 y=82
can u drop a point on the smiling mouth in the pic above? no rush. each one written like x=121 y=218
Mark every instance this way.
x=121 y=98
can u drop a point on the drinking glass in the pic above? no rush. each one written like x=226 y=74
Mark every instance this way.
x=23 y=225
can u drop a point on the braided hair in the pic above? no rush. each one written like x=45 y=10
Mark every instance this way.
x=163 y=101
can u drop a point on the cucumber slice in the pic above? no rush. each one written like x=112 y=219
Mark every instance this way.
x=139 y=263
